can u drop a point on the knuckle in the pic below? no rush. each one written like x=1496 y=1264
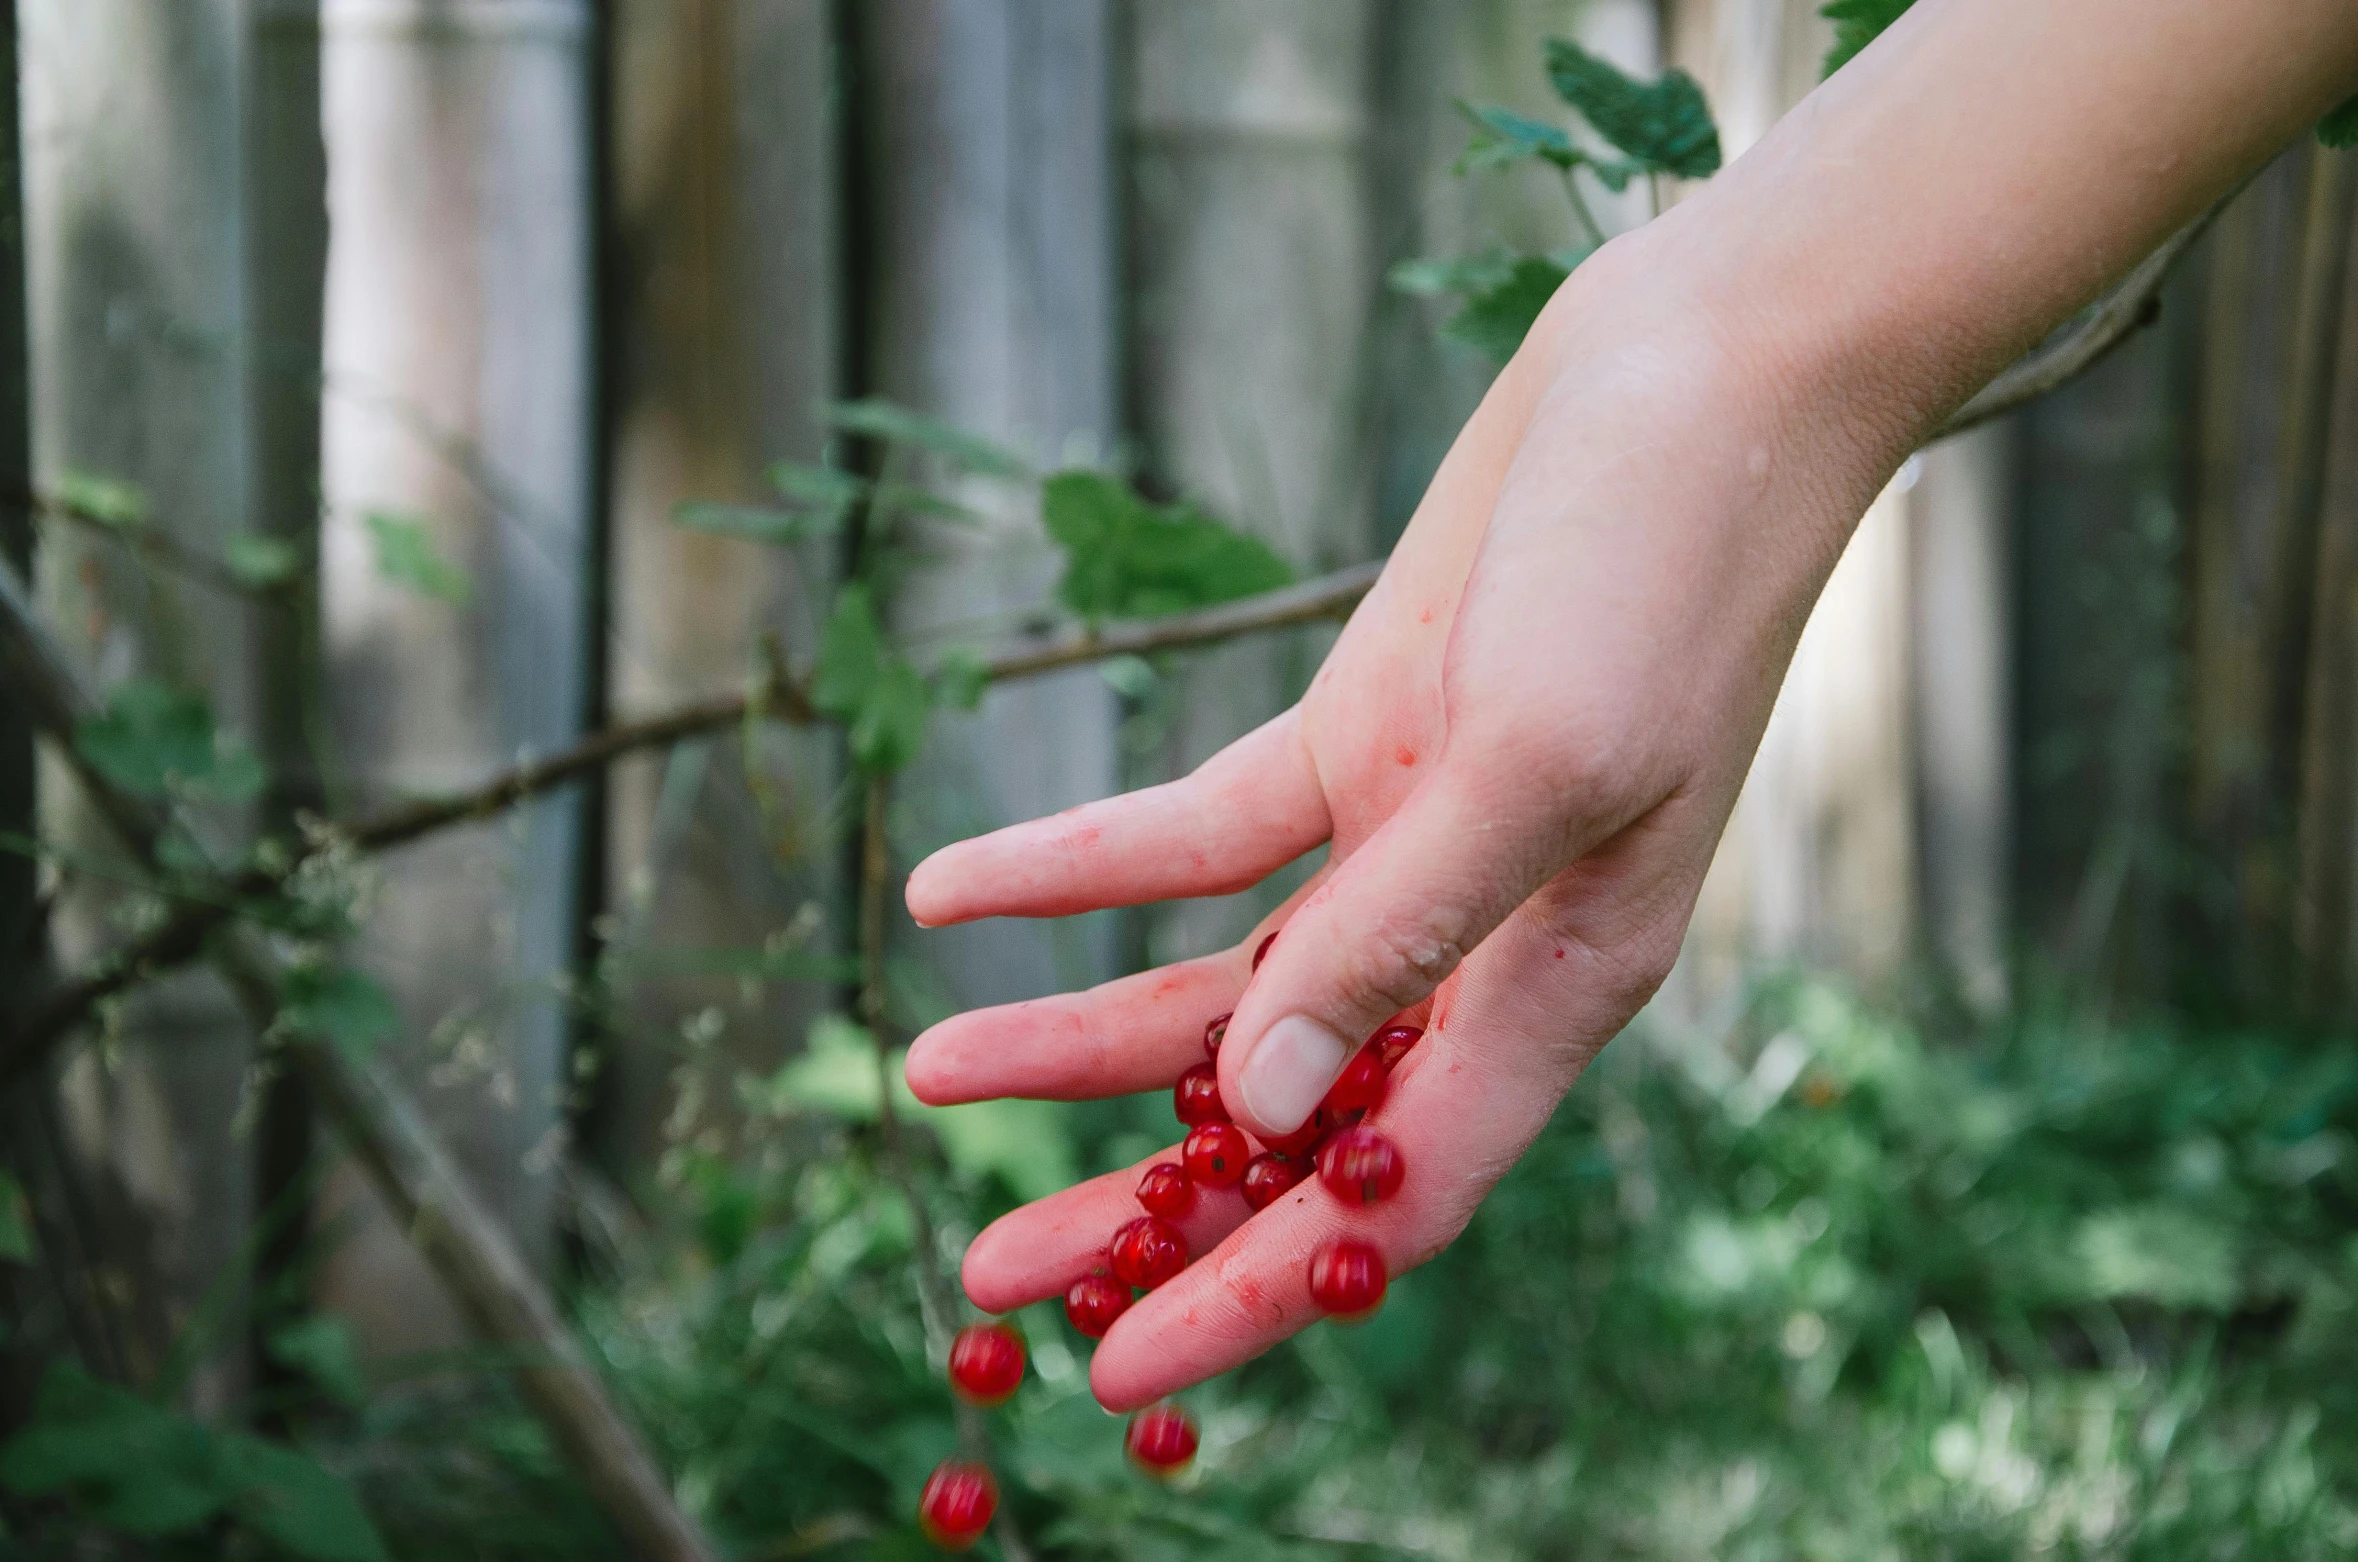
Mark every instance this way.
x=1405 y=956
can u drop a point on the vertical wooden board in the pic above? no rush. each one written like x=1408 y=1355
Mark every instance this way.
x=992 y=305
x=458 y=399
x=719 y=347
x=140 y=344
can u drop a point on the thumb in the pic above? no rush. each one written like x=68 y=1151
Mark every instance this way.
x=1389 y=925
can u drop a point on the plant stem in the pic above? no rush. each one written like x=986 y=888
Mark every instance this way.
x=1588 y=219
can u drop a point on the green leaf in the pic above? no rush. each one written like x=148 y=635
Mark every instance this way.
x=110 y=501
x=340 y=1006
x=287 y=1496
x=1663 y=125
x=861 y=682
x=407 y=556
x=822 y=488
x=154 y=740
x=138 y=1468
x=1126 y=558
x=320 y=1347
x=1463 y=274
x=16 y=1228
x=895 y=424
x=889 y=731
x=1857 y=23
x=1496 y=320
x=778 y=528
x=2339 y=129
x=1132 y=677
x=959 y=680
x=1502 y=137
x=262 y=562
x=836 y=1074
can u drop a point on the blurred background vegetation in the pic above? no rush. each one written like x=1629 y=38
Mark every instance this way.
x=410 y=390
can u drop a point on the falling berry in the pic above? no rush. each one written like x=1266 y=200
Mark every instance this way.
x=1302 y=1143
x=1347 y=1279
x=1359 y=1089
x=957 y=1504
x=1094 y=1302
x=986 y=1364
x=1360 y=1166
x=1162 y=1440
x=1216 y=1153
x=1262 y=953
x=1393 y=1041
x=1167 y=1190
x=1266 y=1179
x=1147 y=1251
x=1214 y=1034
x=1196 y=1098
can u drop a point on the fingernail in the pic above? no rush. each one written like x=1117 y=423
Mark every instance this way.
x=1289 y=1071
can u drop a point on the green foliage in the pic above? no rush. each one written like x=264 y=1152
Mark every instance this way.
x=863 y=683
x=407 y=556
x=110 y=501
x=1663 y=126
x=1503 y=137
x=262 y=562
x=340 y=1006
x=1496 y=318
x=1857 y=23
x=320 y=1347
x=1127 y=558
x=16 y=1226
x=959 y=680
x=151 y=1473
x=154 y=740
x=883 y=420
x=2339 y=129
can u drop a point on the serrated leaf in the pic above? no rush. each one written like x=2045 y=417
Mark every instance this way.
x=407 y=556
x=1461 y=274
x=895 y=424
x=1857 y=23
x=289 y=1497
x=1663 y=125
x=778 y=528
x=340 y=1006
x=2339 y=129
x=154 y=740
x=1502 y=137
x=959 y=680
x=110 y=501
x=260 y=561
x=16 y=1227
x=889 y=731
x=1126 y=558
x=320 y=1347
x=1495 y=321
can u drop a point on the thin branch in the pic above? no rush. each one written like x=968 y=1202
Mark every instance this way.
x=152 y=543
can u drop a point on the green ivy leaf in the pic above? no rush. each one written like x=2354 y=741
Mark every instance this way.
x=262 y=562
x=1126 y=558
x=338 y=1005
x=320 y=1347
x=153 y=740
x=407 y=556
x=2339 y=129
x=1663 y=125
x=290 y=1498
x=16 y=1227
x=1495 y=321
x=959 y=680
x=895 y=424
x=1503 y=137
x=110 y=501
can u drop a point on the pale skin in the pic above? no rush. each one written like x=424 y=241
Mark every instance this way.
x=1525 y=744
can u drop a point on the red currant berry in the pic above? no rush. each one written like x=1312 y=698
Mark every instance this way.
x=1359 y=1089
x=1347 y=1279
x=957 y=1504
x=1266 y=1179
x=1262 y=953
x=1147 y=1251
x=1166 y=1190
x=1216 y=1154
x=1196 y=1098
x=1162 y=1440
x=1214 y=1034
x=986 y=1364
x=1094 y=1302
x=1393 y=1041
x=1361 y=1166
x=1303 y=1141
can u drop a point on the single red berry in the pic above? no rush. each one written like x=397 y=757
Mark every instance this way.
x=1162 y=1440
x=1359 y=1089
x=1361 y=1166
x=1147 y=1251
x=1393 y=1041
x=1094 y=1302
x=1303 y=1142
x=1262 y=953
x=1167 y=1190
x=1216 y=1154
x=957 y=1504
x=1266 y=1179
x=1214 y=1034
x=1196 y=1098
x=986 y=1364
x=1347 y=1279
